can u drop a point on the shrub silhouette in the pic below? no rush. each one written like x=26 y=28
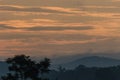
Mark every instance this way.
x=23 y=68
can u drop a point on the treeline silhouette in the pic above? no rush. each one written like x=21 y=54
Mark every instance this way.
x=22 y=67
x=86 y=73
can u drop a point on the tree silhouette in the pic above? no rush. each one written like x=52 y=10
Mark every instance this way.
x=23 y=68
x=61 y=69
x=9 y=77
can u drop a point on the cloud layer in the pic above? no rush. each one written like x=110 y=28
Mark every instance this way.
x=59 y=28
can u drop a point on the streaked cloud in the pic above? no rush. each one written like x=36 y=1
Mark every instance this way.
x=59 y=28
x=28 y=23
x=35 y=9
x=65 y=27
x=64 y=42
x=2 y=27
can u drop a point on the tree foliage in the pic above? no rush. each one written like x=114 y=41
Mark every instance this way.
x=87 y=73
x=23 y=68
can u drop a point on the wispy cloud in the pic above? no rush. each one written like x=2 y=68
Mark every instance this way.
x=61 y=27
x=65 y=42
x=28 y=23
x=82 y=11
x=34 y=9
x=4 y=27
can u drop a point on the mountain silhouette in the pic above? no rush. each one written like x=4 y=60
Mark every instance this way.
x=92 y=61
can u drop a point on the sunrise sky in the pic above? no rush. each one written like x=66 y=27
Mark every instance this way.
x=59 y=27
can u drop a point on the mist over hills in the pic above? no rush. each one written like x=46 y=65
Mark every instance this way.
x=3 y=68
x=90 y=61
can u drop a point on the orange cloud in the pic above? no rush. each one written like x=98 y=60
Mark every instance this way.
x=65 y=42
x=28 y=23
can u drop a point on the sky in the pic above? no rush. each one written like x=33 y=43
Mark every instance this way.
x=53 y=28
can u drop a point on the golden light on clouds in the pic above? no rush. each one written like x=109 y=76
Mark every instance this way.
x=66 y=27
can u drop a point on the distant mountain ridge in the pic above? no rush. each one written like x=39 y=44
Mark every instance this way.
x=92 y=61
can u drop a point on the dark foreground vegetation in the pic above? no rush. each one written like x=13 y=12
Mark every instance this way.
x=21 y=67
x=86 y=73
